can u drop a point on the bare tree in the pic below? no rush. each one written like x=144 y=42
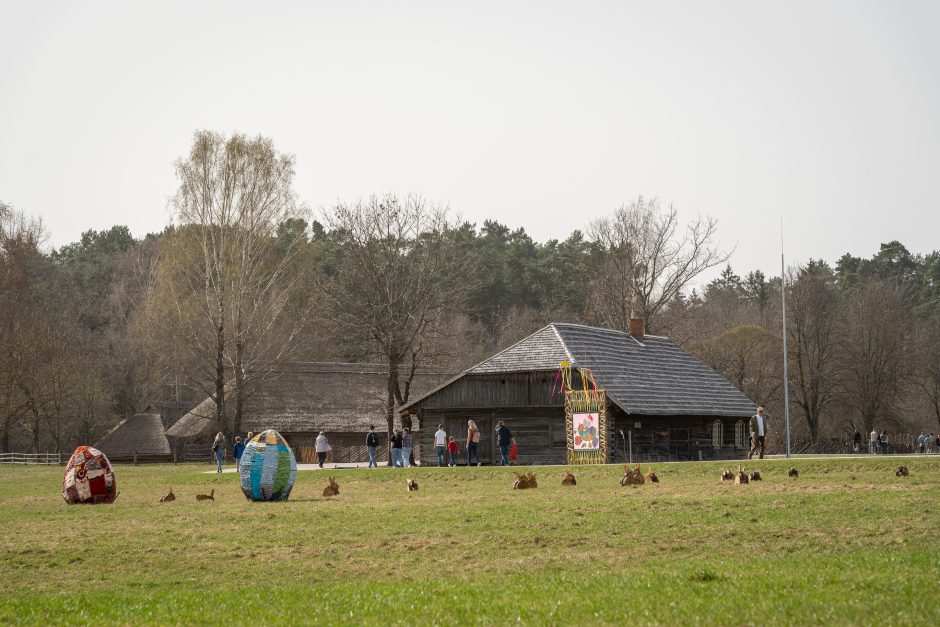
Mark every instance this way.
x=402 y=271
x=234 y=193
x=649 y=260
x=743 y=355
x=814 y=311
x=21 y=260
x=874 y=356
x=927 y=361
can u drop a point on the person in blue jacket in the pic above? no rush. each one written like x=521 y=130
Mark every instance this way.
x=239 y=449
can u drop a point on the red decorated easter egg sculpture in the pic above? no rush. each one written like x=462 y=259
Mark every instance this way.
x=89 y=478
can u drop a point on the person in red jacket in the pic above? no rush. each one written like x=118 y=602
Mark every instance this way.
x=452 y=449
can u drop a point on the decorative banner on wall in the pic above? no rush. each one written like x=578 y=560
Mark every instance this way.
x=586 y=431
x=586 y=424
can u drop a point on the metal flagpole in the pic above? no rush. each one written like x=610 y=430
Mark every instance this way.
x=786 y=380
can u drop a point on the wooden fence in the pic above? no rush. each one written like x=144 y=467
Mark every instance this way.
x=47 y=459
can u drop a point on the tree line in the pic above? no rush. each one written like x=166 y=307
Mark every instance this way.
x=244 y=276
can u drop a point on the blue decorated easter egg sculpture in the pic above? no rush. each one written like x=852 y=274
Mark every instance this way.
x=268 y=467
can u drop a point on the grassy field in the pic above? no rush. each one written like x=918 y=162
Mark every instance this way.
x=846 y=542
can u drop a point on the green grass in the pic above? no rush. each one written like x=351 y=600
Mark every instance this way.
x=847 y=542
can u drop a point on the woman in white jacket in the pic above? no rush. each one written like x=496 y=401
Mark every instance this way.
x=323 y=447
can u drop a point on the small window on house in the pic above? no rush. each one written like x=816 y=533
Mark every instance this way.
x=717 y=433
x=739 y=434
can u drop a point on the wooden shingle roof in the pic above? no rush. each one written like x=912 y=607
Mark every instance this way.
x=653 y=377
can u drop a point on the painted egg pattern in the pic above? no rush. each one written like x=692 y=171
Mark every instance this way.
x=89 y=478
x=268 y=467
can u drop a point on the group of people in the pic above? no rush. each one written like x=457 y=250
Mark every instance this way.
x=218 y=449
x=402 y=445
x=926 y=442
x=878 y=442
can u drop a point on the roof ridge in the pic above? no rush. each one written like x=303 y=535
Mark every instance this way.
x=588 y=326
x=561 y=340
x=512 y=346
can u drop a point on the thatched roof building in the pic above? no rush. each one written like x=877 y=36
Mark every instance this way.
x=301 y=399
x=140 y=437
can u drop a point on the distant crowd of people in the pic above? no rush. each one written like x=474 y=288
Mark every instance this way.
x=927 y=442
x=446 y=446
x=402 y=445
x=877 y=442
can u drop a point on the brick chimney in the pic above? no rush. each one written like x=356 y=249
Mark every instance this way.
x=636 y=329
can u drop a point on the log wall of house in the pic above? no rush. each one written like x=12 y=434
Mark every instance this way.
x=678 y=438
x=532 y=389
x=539 y=433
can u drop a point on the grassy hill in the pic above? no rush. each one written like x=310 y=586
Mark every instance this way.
x=846 y=542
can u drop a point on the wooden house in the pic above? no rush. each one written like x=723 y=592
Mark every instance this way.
x=672 y=406
x=301 y=399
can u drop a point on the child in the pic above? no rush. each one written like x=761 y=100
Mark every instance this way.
x=452 y=449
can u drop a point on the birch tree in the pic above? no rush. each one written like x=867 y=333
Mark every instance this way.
x=233 y=194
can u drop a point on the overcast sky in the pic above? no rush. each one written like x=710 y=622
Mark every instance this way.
x=542 y=115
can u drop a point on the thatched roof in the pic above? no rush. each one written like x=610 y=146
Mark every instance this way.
x=198 y=421
x=309 y=397
x=141 y=434
x=652 y=377
x=170 y=411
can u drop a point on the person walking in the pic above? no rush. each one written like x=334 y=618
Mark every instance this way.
x=758 y=428
x=938 y=442
x=218 y=449
x=239 y=449
x=440 y=443
x=504 y=440
x=857 y=441
x=874 y=441
x=473 y=442
x=452 y=448
x=884 y=442
x=372 y=444
x=920 y=442
x=323 y=447
x=396 y=449
x=407 y=445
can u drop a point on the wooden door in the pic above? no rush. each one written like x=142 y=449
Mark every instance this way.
x=488 y=454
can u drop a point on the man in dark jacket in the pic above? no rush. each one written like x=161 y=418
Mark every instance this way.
x=372 y=443
x=396 y=460
x=504 y=440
